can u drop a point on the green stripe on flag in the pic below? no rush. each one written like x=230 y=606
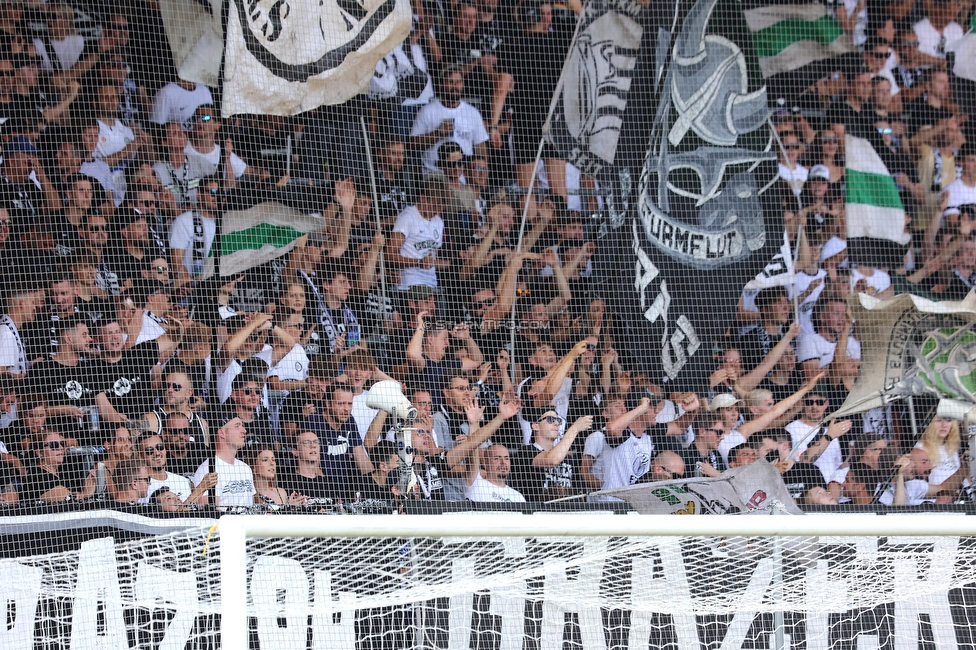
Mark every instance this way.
x=872 y=189
x=773 y=40
x=256 y=237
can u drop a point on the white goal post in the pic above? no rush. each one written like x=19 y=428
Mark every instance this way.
x=926 y=553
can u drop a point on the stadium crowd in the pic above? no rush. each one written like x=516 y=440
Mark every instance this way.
x=130 y=376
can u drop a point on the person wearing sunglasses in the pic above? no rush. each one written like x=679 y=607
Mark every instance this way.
x=204 y=153
x=544 y=471
x=152 y=452
x=790 y=170
x=908 y=71
x=131 y=483
x=44 y=481
x=191 y=236
x=245 y=399
x=814 y=440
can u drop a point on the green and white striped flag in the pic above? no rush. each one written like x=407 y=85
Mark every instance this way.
x=788 y=37
x=874 y=208
x=259 y=234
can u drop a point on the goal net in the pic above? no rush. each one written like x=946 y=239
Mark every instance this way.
x=505 y=582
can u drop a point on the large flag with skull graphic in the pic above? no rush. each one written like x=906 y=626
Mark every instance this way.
x=667 y=105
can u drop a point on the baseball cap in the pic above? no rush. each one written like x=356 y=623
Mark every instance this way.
x=819 y=171
x=833 y=246
x=420 y=292
x=19 y=144
x=722 y=401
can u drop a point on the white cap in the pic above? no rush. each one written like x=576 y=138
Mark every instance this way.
x=819 y=171
x=833 y=246
x=723 y=401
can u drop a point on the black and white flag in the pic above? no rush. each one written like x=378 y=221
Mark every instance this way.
x=588 y=106
x=689 y=212
x=285 y=57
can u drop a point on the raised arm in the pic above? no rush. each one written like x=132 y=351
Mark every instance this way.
x=750 y=380
x=765 y=420
x=617 y=426
x=508 y=408
x=556 y=455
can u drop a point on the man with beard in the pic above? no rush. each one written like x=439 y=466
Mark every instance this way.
x=152 y=451
x=176 y=398
x=775 y=311
x=342 y=451
x=449 y=119
x=488 y=477
x=910 y=486
x=815 y=351
x=184 y=451
x=235 y=481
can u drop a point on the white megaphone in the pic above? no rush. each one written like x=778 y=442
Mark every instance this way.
x=387 y=396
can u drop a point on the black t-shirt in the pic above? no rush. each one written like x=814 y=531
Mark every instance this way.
x=691 y=456
x=754 y=345
x=127 y=383
x=38 y=482
x=395 y=194
x=801 y=477
x=196 y=453
x=430 y=473
x=429 y=378
x=539 y=483
x=319 y=487
x=921 y=113
x=126 y=266
x=70 y=385
x=854 y=123
x=293 y=408
x=367 y=488
x=535 y=63
x=782 y=392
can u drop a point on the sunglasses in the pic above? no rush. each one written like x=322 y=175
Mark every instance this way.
x=479 y=168
x=173 y=386
x=179 y=431
x=911 y=45
x=670 y=474
x=486 y=302
x=56 y=444
x=251 y=391
x=717 y=432
x=98 y=228
x=816 y=401
x=204 y=118
x=214 y=191
x=158 y=449
x=792 y=145
x=886 y=131
x=149 y=204
x=830 y=140
x=161 y=269
x=551 y=419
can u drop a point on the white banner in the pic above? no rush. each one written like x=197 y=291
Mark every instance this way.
x=284 y=57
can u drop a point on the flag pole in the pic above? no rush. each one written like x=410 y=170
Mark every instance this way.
x=518 y=249
x=376 y=211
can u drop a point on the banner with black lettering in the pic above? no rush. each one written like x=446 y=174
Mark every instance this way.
x=690 y=209
x=913 y=346
x=284 y=58
x=755 y=488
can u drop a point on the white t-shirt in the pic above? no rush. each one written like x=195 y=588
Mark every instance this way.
x=150 y=330
x=929 y=37
x=292 y=367
x=830 y=460
x=201 y=165
x=879 y=281
x=960 y=193
x=946 y=466
x=628 y=462
x=179 y=485
x=66 y=52
x=181 y=236
x=112 y=138
x=235 y=483
x=174 y=103
x=469 y=128
x=795 y=178
x=596 y=448
x=732 y=439
x=916 y=493
x=482 y=490
x=813 y=346
x=803 y=282
x=111 y=182
x=13 y=355
x=362 y=415
x=422 y=239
